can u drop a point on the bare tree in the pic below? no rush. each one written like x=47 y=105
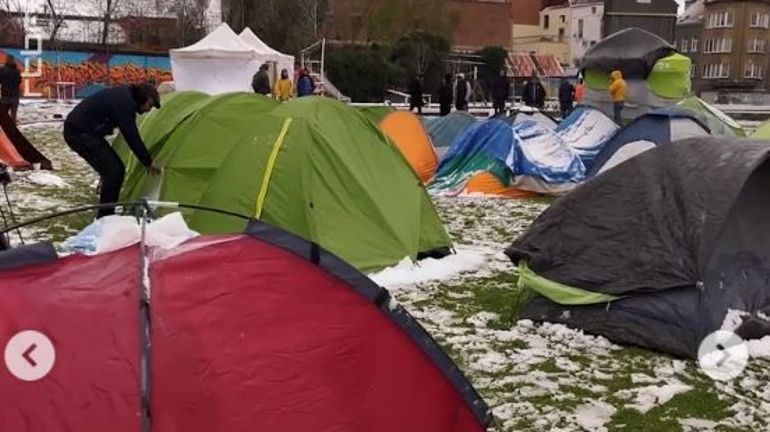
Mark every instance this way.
x=191 y=19
x=13 y=16
x=56 y=20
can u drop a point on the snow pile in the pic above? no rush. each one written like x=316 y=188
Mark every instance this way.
x=41 y=178
x=594 y=415
x=693 y=424
x=407 y=273
x=647 y=398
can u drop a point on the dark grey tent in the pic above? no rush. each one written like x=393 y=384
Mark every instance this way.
x=655 y=251
x=633 y=51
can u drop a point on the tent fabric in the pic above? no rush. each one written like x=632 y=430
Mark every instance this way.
x=312 y=166
x=718 y=122
x=230 y=352
x=633 y=51
x=375 y=114
x=8 y=154
x=406 y=131
x=670 y=77
x=514 y=154
x=534 y=115
x=762 y=132
x=586 y=131
x=266 y=54
x=696 y=217
x=646 y=132
x=444 y=130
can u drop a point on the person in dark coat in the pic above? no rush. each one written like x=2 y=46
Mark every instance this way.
x=566 y=97
x=534 y=93
x=10 y=80
x=462 y=93
x=261 y=81
x=415 y=95
x=501 y=90
x=445 y=95
x=305 y=84
x=95 y=118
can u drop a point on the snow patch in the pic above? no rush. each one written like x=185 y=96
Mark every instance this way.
x=594 y=415
x=41 y=178
x=647 y=398
x=693 y=424
x=481 y=319
x=759 y=348
x=407 y=274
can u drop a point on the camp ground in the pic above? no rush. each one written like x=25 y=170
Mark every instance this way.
x=320 y=265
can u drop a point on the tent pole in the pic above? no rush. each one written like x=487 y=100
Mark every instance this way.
x=144 y=322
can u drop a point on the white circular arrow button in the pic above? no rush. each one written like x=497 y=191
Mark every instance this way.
x=723 y=355
x=29 y=355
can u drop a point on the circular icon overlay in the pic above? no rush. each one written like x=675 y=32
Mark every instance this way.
x=29 y=355
x=723 y=355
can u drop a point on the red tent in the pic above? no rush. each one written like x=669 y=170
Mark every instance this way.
x=257 y=332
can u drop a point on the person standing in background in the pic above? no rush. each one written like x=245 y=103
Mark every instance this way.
x=462 y=93
x=283 y=89
x=501 y=90
x=261 y=81
x=445 y=95
x=10 y=80
x=415 y=95
x=618 y=94
x=305 y=84
x=566 y=97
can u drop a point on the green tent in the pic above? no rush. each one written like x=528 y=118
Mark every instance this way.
x=669 y=78
x=720 y=123
x=312 y=166
x=375 y=114
x=762 y=132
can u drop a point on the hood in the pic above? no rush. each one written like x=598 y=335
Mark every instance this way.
x=616 y=75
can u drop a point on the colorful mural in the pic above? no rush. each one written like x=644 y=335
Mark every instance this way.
x=81 y=73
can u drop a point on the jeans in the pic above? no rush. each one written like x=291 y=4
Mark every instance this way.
x=565 y=109
x=103 y=159
x=617 y=110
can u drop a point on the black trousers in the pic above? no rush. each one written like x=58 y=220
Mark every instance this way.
x=446 y=108
x=103 y=159
x=499 y=105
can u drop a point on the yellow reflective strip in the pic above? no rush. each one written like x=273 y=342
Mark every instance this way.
x=269 y=168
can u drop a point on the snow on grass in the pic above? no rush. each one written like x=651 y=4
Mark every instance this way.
x=594 y=415
x=41 y=178
x=407 y=273
x=646 y=398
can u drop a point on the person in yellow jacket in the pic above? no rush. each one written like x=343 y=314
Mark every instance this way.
x=618 y=94
x=283 y=88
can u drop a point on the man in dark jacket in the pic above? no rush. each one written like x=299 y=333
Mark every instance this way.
x=462 y=93
x=10 y=80
x=445 y=94
x=501 y=90
x=566 y=97
x=261 y=81
x=95 y=118
x=415 y=95
x=305 y=84
x=534 y=93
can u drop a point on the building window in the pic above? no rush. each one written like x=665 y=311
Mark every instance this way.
x=563 y=19
x=593 y=10
x=561 y=34
x=755 y=45
x=693 y=70
x=716 y=71
x=759 y=20
x=694 y=45
x=753 y=71
x=721 y=20
x=580 y=28
x=684 y=45
x=545 y=22
x=722 y=45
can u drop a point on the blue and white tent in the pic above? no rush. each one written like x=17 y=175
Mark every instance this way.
x=646 y=132
x=586 y=131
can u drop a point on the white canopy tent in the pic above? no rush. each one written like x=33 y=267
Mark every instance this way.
x=267 y=54
x=219 y=63
x=224 y=61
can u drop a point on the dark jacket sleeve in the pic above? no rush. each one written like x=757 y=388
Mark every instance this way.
x=126 y=121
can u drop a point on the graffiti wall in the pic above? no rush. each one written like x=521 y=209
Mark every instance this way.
x=79 y=74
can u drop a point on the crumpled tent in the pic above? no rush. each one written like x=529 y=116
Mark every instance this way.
x=444 y=130
x=15 y=149
x=655 y=251
x=718 y=122
x=633 y=51
x=586 y=131
x=263 y=331
x=647 y=132
x=407 y=132
x=312 y=166
x=526 y=156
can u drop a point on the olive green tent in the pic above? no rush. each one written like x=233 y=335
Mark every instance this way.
x=669 y=78
x=720 y=123
x=375 y=114
x=762 y=132
x=312 y=166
